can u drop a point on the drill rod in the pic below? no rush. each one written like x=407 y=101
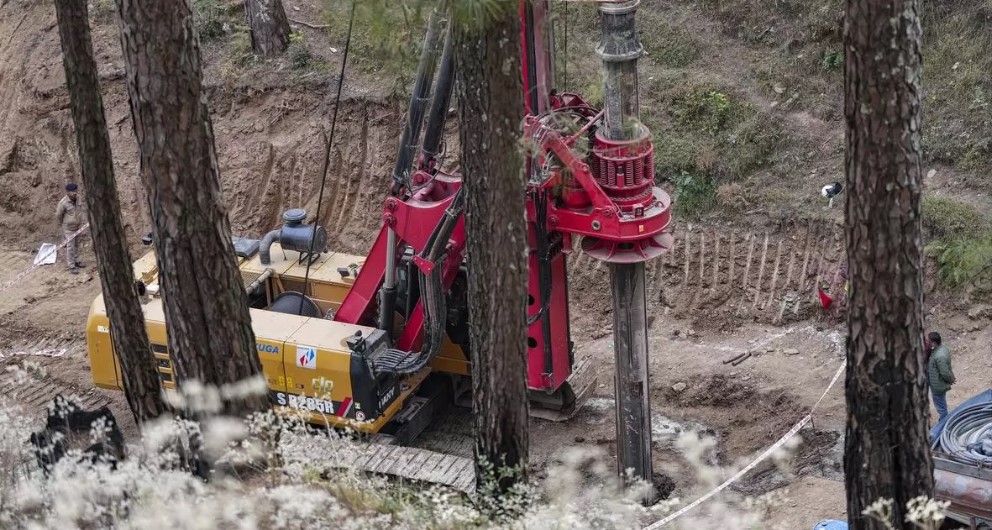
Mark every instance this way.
x=633 y=398
x=620 y=48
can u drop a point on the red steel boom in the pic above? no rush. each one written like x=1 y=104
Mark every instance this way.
x=582 y=182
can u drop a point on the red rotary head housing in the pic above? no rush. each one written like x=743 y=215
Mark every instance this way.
x=624 y=170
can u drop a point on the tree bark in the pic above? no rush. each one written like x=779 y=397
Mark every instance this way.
x=267 y=25
x=142 y=385
x=887 y=451
x=206 y=308
x=490 y=112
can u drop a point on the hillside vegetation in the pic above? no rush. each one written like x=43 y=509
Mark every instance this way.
x=745 y=100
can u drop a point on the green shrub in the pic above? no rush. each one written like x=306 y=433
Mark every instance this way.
x=668 y=43
x=962 y=245
x=694 y=195
x=832 y=60
x=706 y=109
x=963 y=262
x=211 y=18
x=387 y=35
x=239 y=50
x=673 y=155
x=299 y=53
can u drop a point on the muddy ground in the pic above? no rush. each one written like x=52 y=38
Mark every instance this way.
x=725 y=289
x=746 y=407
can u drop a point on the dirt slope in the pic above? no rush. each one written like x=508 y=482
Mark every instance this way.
x=268 y=140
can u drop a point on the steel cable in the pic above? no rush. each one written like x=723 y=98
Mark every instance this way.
x=327 y=155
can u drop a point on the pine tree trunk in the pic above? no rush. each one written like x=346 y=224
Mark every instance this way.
x=490 y=112
x=206 y=308
x=268 y=26
x=142 y=385
x=887 y=451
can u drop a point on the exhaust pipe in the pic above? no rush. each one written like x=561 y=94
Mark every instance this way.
x=294 y=235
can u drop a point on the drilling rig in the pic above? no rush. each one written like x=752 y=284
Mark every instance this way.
x=380 y=343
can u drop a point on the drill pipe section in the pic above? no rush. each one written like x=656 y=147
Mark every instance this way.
x=633 y=397
x=620 y=48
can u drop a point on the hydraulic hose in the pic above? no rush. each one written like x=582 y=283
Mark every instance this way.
x=439 y=106
x=410 y=139
x=967 y=435
x=433 y=297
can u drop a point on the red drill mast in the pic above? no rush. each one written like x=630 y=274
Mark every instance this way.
x=590 y=174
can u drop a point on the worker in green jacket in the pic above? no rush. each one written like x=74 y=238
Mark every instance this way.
x=939 y=373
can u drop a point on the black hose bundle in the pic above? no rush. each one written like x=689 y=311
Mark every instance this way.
x=433 y=296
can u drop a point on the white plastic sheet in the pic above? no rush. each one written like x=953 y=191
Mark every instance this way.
x=46 y=254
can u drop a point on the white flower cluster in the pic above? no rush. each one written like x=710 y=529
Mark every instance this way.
x=921 y=512
x=275 y=471
x=926 y=512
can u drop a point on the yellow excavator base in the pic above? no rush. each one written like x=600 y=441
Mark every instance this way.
x=306 y=361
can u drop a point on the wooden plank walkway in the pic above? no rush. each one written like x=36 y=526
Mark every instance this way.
x=412 y=463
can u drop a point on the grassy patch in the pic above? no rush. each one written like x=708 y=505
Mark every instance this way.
x=707 y=129
x=673 y=155
x=706 y=109
x=945 y=218
x=805 y=56
x=750 y=146
x=667 y=43
x=576 y=32
x=778 y=23
x=958 y=89
x=387 y=35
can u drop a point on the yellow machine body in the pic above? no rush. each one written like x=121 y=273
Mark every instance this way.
x=307 y=362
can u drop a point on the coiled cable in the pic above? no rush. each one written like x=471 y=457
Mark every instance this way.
x=967 y=435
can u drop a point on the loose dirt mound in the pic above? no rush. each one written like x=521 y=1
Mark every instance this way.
x=716 y=391
x=748 y=418
x=820 y=454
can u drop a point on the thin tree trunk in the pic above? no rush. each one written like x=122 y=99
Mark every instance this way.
x=206 y=308
x=268 y=26
x=887 y=451
x=490 y=111
x=142 y=385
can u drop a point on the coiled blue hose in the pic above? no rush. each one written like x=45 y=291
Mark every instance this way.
x=967 y=435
